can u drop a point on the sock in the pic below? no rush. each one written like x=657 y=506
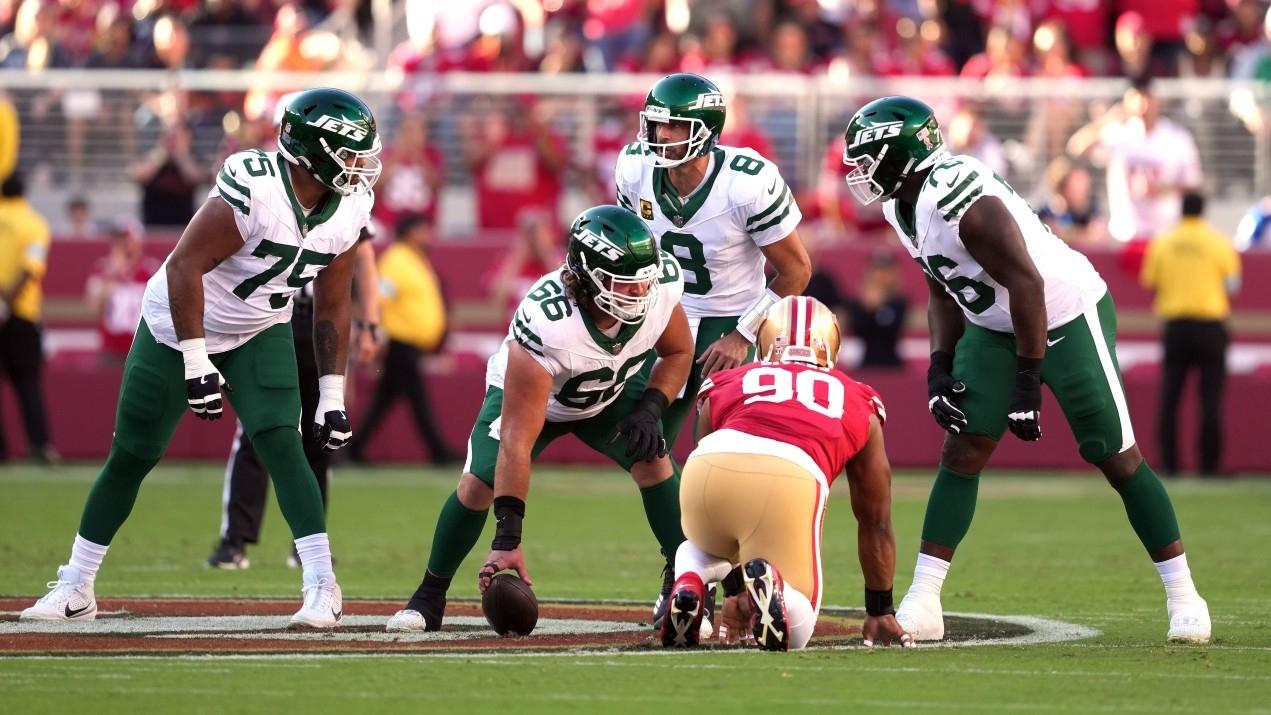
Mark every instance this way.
x=690 y=558
x=281 y=451
x=662 y=509
x=113 y=494
x=1149 y=508
x=86 y=558
x=458 y=529
x=1177 y=578
x=800 y=617
x=929 y=575
x=950 y=507
x=315 y=557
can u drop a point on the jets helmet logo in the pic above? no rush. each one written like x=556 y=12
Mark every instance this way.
x=600 y=245
x=876 y=132
x=339 y=126
x=709 y=99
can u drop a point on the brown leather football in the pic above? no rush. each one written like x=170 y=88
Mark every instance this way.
x=510 y=606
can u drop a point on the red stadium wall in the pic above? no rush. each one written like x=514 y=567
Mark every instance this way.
x=81 y=395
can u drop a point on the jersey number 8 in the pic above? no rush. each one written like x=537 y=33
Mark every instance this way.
x=772 y=384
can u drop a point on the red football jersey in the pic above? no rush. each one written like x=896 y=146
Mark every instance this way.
x=823 y=412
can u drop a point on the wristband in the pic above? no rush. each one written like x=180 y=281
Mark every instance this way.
x=943 y=361
x=193 y=349
x=749 y=322
x=508 y=514
x=1028 y=373
x=652 y=401
x=331 y=387
x=879 y=603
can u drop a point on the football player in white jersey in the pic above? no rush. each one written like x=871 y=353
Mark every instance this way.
x=722 y=212
x=216 y=317
x=1012 y=307
x=579 y=358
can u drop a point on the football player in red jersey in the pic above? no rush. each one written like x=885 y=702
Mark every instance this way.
x=772 y=436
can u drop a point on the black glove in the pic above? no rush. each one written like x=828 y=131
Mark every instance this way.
x=332 y=429
x=643 y=428
x=942 y=387
x=1025 y=413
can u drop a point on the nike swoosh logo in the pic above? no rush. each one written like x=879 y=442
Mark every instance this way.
x=773 y=189
x=72 y=613
x=953 y=181
x=1052 y=343
x=337 y=614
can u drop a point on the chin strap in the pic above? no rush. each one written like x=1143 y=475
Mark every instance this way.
x=748 y=324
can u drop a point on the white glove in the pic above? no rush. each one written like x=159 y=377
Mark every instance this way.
x=331 y=422
x=203 y=382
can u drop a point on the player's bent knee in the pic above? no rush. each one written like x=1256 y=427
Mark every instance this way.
x=474 y=493
x=651 y=474
x=1119 y=468
x=966 y=453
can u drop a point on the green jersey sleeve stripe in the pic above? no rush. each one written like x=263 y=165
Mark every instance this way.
x=519 y=326
x=773 y=207
x=529 y=346
x=949 y=197
x=233 y=201
x=623 y=200
x=962 y=206
x=773 y=222
x=234 y=184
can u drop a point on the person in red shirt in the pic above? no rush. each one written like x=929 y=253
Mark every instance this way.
x=740 y=131
x=516 y=167
x=773 y=435
x=412 y=176
x=115 y=288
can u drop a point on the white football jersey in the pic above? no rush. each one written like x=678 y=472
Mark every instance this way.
x=931 y=237
x=716 y=233
x=283 y=250
x=589 y=369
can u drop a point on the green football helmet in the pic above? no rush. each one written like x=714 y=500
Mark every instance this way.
x=616 y=260
x=331 y=134
x=886 y=141
x=681 y=97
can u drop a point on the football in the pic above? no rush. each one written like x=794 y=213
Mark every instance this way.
x=510 y=606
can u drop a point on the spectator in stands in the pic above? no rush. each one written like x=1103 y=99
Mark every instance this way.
x=223 y=28
x=34 y=44
x=618 y=28
x=877 y=312
x=564 y=53
x=1150 y=161
x=1071 y=210
x=618 y=125
x=918 y=53
x=739 y=131
x=789 y=50
x=413 y=173
x=533 y=254
x=170 y=45
x=1253 y=61
x=24 y=247
x=79 y=218
x=169 y=175
x=1242 y=36
x=113 y=48
x=516 y=165
x=116 y=285
x=1086 y=24
x=1203 y=57
x=414 y=315
x=1135 y=48
x=1193 y=269
x=968 y=134
x=718 y=49
x=661 y=55
x=1005 y=55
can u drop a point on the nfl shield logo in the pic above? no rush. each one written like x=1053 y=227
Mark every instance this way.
x=646 y=210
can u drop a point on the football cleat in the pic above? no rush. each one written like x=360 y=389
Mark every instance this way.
x=407 y=621
x=766 y=591
x=921 y=616
x=229 y=557
x=68 y=599
x=1188 y=621
x=323 y=606
x=682 y=626
x=664 y=596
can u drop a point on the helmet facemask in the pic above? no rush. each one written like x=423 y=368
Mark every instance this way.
x=352 y=172
x=655 y=153
x=860 y=177
x=626 y=299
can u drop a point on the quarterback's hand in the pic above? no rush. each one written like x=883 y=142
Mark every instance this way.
x=942 y=389
x=734 y=621
x=203 y=382
x=497 y=561
x=331 y=426
x=643 y=427
x=884 y=630
x=1024 y=415
x=725 y=353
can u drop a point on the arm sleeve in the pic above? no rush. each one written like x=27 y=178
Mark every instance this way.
x=770 y=210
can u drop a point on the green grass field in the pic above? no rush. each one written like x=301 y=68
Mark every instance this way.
x=1044 y=545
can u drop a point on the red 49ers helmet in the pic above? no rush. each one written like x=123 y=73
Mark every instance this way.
x=799 y=329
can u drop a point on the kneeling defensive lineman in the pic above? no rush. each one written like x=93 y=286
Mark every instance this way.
x=217 y=317
x=1012 y=307
x=773 y=436
x=578 y=359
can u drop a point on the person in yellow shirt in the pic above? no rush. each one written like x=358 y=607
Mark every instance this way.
x=1193 y=270
x=24 y=247
x=414 y=317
